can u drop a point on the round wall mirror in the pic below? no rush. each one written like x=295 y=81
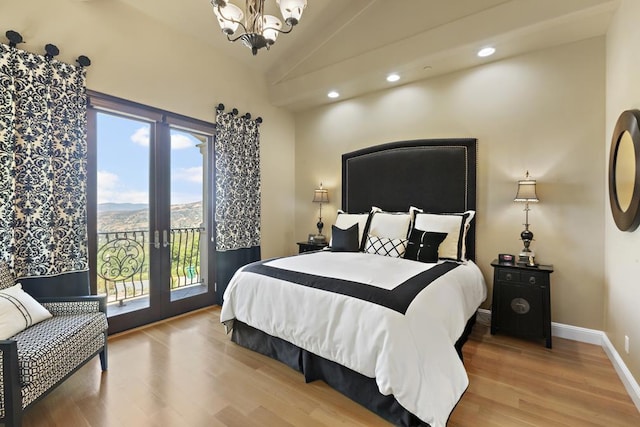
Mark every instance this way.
x=624 y=171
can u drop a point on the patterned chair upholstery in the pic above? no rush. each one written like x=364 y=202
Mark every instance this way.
x=36 y=360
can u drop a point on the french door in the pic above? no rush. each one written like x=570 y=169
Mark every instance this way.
x=151 y=239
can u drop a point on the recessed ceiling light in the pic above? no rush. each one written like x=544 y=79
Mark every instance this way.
x=393 y=77
x=486 y=51
x=333 y=94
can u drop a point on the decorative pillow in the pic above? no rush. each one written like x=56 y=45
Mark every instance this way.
x=385 y=246
x=346 y=220
x=345 y=240
x=455 y=225
x=389 y=224
x=423 y=245
x=18 y=311
x=6 y=278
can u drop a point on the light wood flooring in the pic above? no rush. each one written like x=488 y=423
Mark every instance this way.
x=186 y=373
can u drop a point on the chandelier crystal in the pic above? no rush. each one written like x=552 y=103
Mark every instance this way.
x=257 y=30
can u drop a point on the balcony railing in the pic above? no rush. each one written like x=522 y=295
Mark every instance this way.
x=123 y=262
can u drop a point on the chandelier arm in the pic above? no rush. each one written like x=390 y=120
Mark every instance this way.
x=279 y=30
x=237 y=38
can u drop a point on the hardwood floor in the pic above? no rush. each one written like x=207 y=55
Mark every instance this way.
x=186 y=373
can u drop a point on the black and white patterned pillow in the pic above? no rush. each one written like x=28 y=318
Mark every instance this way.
x=6 y=278
x=386 y=246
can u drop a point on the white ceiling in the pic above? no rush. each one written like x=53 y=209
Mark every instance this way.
x=351 y=45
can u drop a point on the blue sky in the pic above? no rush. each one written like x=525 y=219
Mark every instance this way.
x=123 y=162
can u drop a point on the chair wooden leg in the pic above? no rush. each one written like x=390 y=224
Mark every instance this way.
x=103 y=355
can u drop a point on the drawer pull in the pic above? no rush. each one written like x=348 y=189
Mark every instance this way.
x=532 y=280
x=508 y=276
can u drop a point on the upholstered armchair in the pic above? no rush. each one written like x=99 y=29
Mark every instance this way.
x=37 y=359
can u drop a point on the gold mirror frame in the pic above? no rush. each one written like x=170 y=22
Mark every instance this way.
x=625 y=208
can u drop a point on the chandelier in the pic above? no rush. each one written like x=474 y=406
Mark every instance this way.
x=258 y=30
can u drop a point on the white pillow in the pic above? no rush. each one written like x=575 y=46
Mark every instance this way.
x=455 y=225
x=390 y=224
x=18 y=311
x=346 y=220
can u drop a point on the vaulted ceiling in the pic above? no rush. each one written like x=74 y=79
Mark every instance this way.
x=352 y=45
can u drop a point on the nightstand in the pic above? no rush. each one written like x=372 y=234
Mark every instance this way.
x=310 y=246
x=521 y=300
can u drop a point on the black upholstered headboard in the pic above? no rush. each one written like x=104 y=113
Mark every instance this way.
x=436 y=175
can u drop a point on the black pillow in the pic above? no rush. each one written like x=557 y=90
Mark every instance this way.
x=345 y=240
x=423 y=245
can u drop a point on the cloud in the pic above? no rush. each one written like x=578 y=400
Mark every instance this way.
x=179 y=141
x=111 y=190
x=193 y=174
x=141 y=136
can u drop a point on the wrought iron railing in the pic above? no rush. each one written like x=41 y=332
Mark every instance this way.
x=123 y=262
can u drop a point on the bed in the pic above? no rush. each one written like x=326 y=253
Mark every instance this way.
x=386 y=331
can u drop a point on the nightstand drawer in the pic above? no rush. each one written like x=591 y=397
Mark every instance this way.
x=535 y=279
x=506 y=275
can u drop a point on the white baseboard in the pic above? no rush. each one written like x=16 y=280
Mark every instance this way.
x=589 y=336
x=623 y=372
x=576 y=333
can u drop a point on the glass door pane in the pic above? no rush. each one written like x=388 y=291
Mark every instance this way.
x=188 y=237
x=123 y=229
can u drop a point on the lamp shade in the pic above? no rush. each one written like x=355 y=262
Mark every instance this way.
x=271 y=28
x=229 y=17
x=526 y=190
x=320 y=195
x=292 y=10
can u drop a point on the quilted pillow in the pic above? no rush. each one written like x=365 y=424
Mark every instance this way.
x=18 y=311
x=385 y=246
x=345 y=240
x=455 y=225
x=423 y=245
x=6 y=278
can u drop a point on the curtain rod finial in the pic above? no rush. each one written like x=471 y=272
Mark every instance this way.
x=247 y=116
x=259 y=120
x=14 y=38
x=220 y=107
x=235 y=111
x=83 y=61
x=51 y=50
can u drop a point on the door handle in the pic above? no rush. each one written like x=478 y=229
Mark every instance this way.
x=156 y=238
x=165 y=240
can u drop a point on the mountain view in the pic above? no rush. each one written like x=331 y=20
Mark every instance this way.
x=135 y=217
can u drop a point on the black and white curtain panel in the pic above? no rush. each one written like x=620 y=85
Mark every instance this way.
x=237 y=164
x=43 y=227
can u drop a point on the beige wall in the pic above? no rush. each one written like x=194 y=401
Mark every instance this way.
x=542 y=112
x=135 y=58
x=622 y=249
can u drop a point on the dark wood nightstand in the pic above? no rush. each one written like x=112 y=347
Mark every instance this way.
x=522 y=300
x=310 y=246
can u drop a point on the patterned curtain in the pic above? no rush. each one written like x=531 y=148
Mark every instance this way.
x=43 y=230
x=237 y=215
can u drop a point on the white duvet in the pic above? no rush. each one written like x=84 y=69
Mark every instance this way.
x=411 y=355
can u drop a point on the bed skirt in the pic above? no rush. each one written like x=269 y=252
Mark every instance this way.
x=352 y=384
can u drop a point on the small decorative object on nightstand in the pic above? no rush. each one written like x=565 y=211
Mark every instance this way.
x=310 y=246
x=522 y=300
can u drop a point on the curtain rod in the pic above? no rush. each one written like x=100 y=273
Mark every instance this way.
x=247 y=116
x=51 y=50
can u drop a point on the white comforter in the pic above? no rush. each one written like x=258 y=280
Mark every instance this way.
x=411 y=356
